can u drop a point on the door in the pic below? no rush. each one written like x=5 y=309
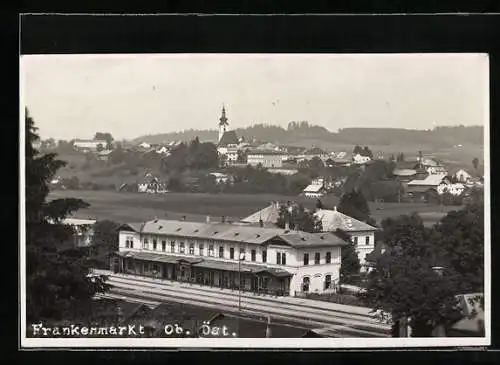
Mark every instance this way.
x=305 y=284
x=254 y=285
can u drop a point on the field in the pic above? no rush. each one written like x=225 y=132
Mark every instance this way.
x=135 y=207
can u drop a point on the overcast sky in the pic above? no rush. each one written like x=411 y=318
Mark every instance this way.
x=74 y=96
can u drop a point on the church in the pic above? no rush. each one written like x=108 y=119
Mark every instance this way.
x=228 y=142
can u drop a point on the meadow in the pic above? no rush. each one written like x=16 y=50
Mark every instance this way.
x=136 y=207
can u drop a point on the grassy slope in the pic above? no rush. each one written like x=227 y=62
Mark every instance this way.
x=136 y=207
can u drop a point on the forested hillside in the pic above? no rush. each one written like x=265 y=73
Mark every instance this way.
x=298 y=132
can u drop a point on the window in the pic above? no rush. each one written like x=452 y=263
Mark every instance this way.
x=355 y=240
x=253 y=253
x=145 y=244
x=163 y=245
x=264 y=256
x=242 y=254
x=172 y=246
x=328 y=258
x=155 y=244
x=306 y=259
x=191 y=248
x=283 y=258
x=201 y=248
x=129 y=242
x=278 y=258
x=211 y=250
x=231 y=253
x=316 y=258
x=181 y=247
x=367 y=240
x=328 y=281
x=221 y=251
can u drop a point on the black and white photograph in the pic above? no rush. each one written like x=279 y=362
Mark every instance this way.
x=255 y=200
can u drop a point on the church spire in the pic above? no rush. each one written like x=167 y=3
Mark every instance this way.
x=223 y=123
x=223 y=119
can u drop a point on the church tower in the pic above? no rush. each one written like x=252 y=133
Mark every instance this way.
x=223 y=124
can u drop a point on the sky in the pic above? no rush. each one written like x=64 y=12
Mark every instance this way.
x=75 y=96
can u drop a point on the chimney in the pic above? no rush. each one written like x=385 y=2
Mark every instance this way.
x=261 y=223
x=183 y=217
x=287 y=226
x=208 y=219
x=335 y=208
x=223 y=219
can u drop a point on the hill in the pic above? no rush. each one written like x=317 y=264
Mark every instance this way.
x=307 y=135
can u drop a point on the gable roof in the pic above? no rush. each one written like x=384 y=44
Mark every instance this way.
x=229 y=137
x=238 y=233
x=404 y=172
x=313 y=188
x=268 y=215
x=431 y=180
x=333 y=220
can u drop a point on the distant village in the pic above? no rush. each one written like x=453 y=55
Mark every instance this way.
x=420 y=178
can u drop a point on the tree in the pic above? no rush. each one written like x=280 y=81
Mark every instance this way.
x=242 y=156
x=299 y=219
x=354 y=205
x=350 y=262
x=105 y=137
x=100 y=147
x=404 y=282
x=316 y=164
x=73 y=183
x=475 y=163
x=357 y=150
x=117 y=156
x=460 y=235
x=57 y=282
x=366 y=152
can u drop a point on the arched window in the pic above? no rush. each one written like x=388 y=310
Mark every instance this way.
x=305 y=284
x=328 y=281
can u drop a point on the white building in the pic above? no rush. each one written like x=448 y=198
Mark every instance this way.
x=362 y=235
x=90 y=145
x=359 y=160
x=315 y=190
x=220 y=178
x=463 y=176
x=274 y=260
x=266 y=158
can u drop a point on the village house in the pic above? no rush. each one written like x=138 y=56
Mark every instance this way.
x=316 y=189
x=462 y=176
x=359 y=159
x=269 y=260
x=221 y=178
x=265 y=158
x=422 y=189
x=362 y=235
x=89 y=145
x=83 y=231
x=104 y=155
